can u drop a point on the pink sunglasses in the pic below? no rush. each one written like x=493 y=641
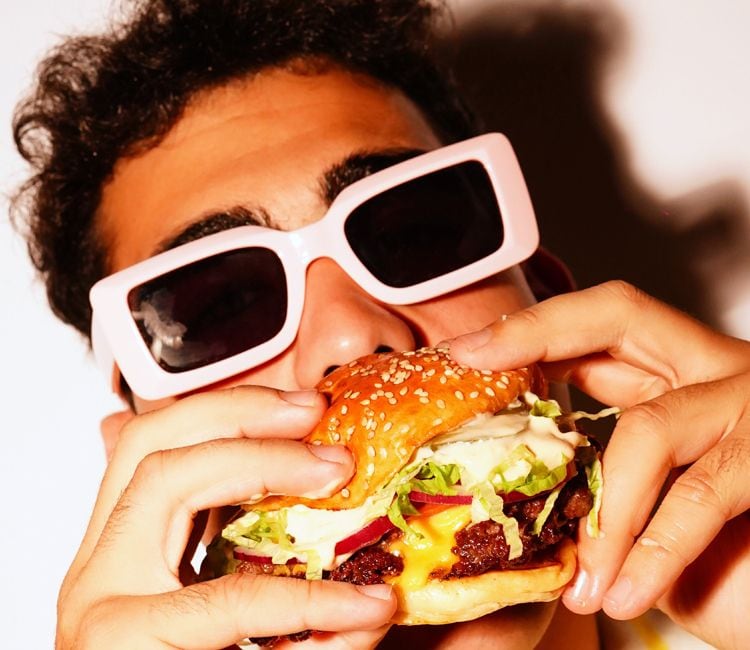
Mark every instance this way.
x=230 y=301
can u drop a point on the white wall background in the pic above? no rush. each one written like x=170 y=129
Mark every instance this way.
x=684 y=60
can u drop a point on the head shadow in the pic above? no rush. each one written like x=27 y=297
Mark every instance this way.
x=534 y=71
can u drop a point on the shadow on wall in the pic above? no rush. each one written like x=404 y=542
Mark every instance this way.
x=534 y=72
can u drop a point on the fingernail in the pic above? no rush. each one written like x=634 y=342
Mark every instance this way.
x=330 y=453
x=299 y=397
x=474 y=340
x=381 y=592
x=580 y=590
x=620 y=594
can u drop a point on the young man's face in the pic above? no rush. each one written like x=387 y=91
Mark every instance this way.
x=265 y=144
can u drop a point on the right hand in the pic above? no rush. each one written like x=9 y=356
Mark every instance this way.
x=124 y=589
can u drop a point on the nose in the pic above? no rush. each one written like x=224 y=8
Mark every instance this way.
x=341 y=322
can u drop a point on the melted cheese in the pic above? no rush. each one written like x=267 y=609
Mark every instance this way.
x=433 y=551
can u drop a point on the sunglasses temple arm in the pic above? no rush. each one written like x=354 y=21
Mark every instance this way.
x=103 y=355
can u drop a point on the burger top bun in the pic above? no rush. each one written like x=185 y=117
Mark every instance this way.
x=384 y=406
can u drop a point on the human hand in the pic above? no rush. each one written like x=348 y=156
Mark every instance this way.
x=127 y=587
x=686 y=394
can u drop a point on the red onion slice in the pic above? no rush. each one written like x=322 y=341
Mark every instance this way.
x=447 y=499
x=370 y=533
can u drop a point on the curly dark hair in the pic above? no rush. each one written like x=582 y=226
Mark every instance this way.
x=100 y=98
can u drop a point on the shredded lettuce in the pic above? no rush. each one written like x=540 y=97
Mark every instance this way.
x=220 y=557
x=401 y=507
x=594 y=476
x=486 y=504
x=429 y=478
x=523 y=472
x=546 y=408
x=546 y=510
x=264 y=533
x=604 y=413
x=436 y=479
x=314 y=566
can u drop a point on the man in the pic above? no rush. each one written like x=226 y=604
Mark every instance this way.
x=194 y=118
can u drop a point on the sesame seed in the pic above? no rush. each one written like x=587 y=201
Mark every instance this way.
x=344 y=409
x=459 y=395
x=370 y=434
x=383 y=452
x=371 y=451
x=474 y=394
x=403 y=391
x=350 y=431
x=378 y=385
x=317 y=443
x=370 y=469
x=354 y=395
x=336 y=437
x=393 y=401
x=345 y=493
x=347 y=394
x=404 y=428
x=424 y=400
x=437 y=421
x=365 y=402
x=387 y=427
x=443 y=380
x=489 y=391
x=505 y=380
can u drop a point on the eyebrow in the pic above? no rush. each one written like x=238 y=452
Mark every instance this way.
x=341 y=174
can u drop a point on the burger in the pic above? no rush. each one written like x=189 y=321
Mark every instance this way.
x=469 y=487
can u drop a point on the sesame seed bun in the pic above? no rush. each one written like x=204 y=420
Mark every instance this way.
x=385 y=406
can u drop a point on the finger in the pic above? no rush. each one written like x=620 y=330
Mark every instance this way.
x=615 y=318
x=221 y=612
x=240 y=412
x=607 y=380
x=649 y=440
x=698 y=505
x=151 y=523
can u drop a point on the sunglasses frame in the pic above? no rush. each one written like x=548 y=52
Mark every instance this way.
x=117 y=342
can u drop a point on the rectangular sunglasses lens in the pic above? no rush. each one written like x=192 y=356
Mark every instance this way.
x=428 y=226
x=211 y=309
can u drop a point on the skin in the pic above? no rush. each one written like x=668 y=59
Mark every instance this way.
x=263 y=142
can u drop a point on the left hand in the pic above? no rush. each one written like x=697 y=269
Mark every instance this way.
x=682 y=546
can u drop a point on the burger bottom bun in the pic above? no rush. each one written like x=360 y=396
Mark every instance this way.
x=464 y=599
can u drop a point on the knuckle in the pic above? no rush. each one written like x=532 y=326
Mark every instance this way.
x=95 y=629
x=530 y=317
x=651 y=419
x=625 y=292
x=664 y=546
x=150 y=468
x=697 y=487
